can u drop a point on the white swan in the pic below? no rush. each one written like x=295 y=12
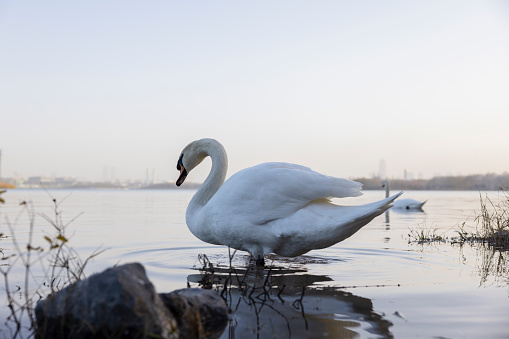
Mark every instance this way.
x=272 y=207
x=403 y=204
x=409 y=204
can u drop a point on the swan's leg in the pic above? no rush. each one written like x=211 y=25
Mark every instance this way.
x=257 y=252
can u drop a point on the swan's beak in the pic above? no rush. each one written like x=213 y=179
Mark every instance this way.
x=183 y=172
x=182 y=177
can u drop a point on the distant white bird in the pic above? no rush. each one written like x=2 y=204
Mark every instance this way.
x=408 y=204
x=272 y=207
x=403 y=204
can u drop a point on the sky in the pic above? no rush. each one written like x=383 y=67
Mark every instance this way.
x=110 y=89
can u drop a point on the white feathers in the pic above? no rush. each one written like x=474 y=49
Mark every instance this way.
x=409 y=204
x=273 y=207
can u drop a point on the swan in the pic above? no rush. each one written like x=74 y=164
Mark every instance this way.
x=273 y=207
x=403 y=204
x=409 y=204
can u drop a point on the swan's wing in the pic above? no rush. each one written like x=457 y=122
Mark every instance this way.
x=271 y=191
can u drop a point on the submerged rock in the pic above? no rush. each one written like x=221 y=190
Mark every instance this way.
x=122 y=303
x=199 y=313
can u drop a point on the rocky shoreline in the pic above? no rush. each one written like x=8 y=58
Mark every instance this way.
x=122 y=303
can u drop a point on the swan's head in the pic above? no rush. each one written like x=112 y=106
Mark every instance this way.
x=192 y=155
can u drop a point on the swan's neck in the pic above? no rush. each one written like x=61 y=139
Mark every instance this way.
x=215 y=178
x=387 y=188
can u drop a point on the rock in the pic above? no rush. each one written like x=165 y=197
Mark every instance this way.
x=118 y=303
x=199 y=313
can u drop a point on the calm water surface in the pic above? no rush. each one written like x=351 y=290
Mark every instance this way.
x=411 y=290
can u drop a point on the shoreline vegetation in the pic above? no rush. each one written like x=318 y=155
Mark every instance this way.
x=492 y=226
x=479 y=182
x=56 y=262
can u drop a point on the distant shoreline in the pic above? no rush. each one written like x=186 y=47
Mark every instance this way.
x=486 y=182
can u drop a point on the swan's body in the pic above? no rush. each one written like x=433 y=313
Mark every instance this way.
x=409 y=204
x=272 y=207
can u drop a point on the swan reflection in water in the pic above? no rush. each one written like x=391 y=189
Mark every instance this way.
x=280 y=302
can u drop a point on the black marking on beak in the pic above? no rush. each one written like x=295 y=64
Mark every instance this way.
x=179 y=163
x=183 y=172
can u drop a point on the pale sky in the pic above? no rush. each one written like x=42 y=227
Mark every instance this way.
x=334 y=85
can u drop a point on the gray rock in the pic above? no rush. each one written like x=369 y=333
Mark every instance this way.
x=118 y=303
x=199 y=313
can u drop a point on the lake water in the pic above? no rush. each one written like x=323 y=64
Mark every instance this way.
x=374 y=284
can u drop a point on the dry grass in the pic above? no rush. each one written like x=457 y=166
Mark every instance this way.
x=425 y=235
x=492 y=223
x=492 y=226
x=46 y=268
x=494 y=220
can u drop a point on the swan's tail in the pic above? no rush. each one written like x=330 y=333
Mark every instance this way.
x=323 y=224
x=365 y=214
x=385 y=204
